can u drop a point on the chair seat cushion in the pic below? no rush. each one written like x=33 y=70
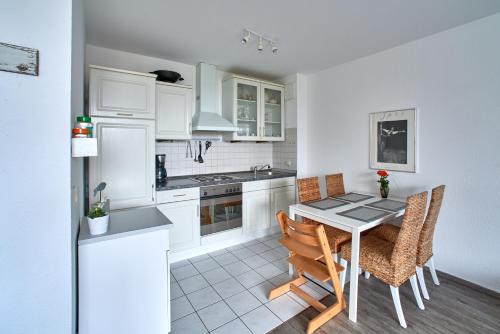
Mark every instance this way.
x=386 y=232
x=375 y=257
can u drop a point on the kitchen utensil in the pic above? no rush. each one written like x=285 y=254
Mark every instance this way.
x=187 y=149
x=167 y=76
x=190 y=150
x=208 y=144
x=161 y=172
x=195 y=156
x=200 y=159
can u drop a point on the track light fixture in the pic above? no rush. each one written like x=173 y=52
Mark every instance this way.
x=261 y=39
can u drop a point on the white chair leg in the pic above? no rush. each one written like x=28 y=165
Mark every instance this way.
x=414 y=286
x=434 y=275
x=397 y=305
x=343 y=263
x=335 y=257
x=367 y=275
x=421 y=280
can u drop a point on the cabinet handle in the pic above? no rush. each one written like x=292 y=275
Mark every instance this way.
x=198 y=211
x=124 y=114
x=153 y=192
x=179 y=195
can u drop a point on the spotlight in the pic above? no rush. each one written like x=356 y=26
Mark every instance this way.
x=274 y=49
x=245 y=39
x=260 y=47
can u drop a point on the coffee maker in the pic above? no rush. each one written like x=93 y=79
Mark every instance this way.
x=161 y=172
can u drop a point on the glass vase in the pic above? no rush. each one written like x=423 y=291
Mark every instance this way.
x=384 y=192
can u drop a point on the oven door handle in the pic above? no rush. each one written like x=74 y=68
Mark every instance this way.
x=220 y=200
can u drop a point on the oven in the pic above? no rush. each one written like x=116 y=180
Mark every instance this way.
x=220 y=208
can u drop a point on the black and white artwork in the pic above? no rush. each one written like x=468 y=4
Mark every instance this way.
x=392 y=140
x=18 y=59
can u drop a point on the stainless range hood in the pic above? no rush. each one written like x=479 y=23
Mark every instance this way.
x=206 y=117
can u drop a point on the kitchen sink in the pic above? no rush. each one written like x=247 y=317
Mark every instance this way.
x=260 y=175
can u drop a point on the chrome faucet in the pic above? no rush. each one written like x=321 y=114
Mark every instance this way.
x=258 y=168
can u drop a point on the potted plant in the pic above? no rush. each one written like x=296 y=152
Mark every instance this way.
x=384 y=183
x=98 y=217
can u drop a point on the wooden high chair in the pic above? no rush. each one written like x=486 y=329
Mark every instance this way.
x=310 y=253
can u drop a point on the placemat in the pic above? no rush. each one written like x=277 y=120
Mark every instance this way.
x=354 y=197
x=388 y=204
x=364 y=214
x=325 y=204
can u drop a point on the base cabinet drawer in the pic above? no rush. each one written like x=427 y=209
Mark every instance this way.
x=184 y=215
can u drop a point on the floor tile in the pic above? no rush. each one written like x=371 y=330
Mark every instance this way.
x=225 y=258
x=216 y=275
x=234 y=327
x=184 y=272
x=268 y=271
x=192 y=284
x=228 y=288
x=321 y=292
x=250 y=278
x=206 y=265
x=251 y=243
x=203 y=298
x=273 y=243
x=180 y=308
x=235 y=247
x=261 y=291
x=259 y=248
x=261 y=320
x=284 y=307
x=271 y=255
x=179 y=264
x=243 y=302
x=281 y=250
x=218 y=252
x=190 y=324
x=282 y=264
x=280 y=279
x=216 y=315
x=265 y=238
x=243 y=253
x=237 y=268
x=199 y=258
x=255 y=261
x=175 y=290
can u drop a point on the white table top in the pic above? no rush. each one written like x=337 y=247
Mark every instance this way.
x=330 y=216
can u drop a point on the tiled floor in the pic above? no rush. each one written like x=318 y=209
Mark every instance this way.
x=226 y=291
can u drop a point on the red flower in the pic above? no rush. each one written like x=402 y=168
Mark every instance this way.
x=382 y=173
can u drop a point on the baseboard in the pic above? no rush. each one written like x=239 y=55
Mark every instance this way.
x=469 y=284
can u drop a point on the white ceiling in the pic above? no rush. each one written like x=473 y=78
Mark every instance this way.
x=311 y=35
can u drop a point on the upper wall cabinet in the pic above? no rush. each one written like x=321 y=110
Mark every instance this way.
x=255 y=107
x=174 y=104
x=120 y=93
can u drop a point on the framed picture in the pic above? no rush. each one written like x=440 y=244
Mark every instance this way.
x=393 y=140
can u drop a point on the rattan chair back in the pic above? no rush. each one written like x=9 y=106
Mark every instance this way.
x=308 y=189
x=335 y=185
x=424 y=248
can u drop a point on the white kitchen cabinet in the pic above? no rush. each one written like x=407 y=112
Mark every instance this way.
x=281 y=199
x=125 y=161
x=120 y=93
x=255 y=107
x=256 y=210
x=185 y=215
x=174 y=104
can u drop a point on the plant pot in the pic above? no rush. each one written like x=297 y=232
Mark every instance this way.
x=98 y=225
x=384 y=192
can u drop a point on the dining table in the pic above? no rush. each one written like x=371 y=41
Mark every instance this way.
x=354 y=212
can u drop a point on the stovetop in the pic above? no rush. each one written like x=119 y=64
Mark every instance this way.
x=213 y=178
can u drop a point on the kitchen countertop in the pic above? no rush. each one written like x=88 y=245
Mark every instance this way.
x=125 y=223
x=184 y=181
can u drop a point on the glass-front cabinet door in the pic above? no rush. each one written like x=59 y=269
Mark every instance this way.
x=272 y=112
x=247 y=109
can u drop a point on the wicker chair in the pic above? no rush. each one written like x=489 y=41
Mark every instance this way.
x=424 y=248
x=309 y=253
x=335 y=185
x=394 y=263
x=308 y=190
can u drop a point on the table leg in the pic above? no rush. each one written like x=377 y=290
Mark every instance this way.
x=353 y=289
x=292 y=217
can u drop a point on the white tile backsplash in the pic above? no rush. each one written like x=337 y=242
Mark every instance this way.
x=221 y=157
x=285 y=153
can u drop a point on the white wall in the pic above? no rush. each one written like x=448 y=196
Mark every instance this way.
x=453 y=78
x=77 y=104
x=35 y=206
